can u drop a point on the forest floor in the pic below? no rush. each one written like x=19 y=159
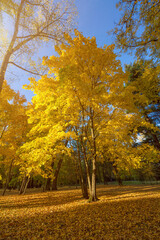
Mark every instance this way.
x=127 y=212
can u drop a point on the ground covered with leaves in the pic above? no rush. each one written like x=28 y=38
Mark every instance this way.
x=128 y=212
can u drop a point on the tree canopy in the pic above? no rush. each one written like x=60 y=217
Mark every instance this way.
x=139 y=26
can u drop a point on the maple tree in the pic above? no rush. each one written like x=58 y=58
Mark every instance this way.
x=87 y=109
x=88 y=81
x=83 y=100
x=33 y=22
x=47 y=140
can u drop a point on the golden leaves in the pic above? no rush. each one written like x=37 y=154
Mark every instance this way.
x=129 y=212
x=13 y=121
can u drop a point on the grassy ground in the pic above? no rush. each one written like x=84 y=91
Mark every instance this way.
x=127 y=212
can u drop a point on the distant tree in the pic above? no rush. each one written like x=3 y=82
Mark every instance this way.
x=139 y=26
x=144 y=79
x=33 y=22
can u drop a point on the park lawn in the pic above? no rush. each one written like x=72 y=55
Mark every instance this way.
x=127 y=212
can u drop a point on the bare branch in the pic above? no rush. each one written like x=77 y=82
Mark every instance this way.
x=38 y=74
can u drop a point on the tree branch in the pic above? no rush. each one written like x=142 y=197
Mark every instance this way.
x=38 y=74
x=4 y=128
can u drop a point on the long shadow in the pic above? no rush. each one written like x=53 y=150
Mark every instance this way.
x=114 y=191
x=46 y=199
x=66 y=197
x=101 y=221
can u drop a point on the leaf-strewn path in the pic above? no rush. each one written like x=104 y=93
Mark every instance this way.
x=121 y=213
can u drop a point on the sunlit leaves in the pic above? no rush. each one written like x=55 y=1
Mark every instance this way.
x=13 y=127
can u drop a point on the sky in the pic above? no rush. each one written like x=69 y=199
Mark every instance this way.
x=95 y=18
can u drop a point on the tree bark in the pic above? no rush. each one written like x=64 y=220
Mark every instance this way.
x=93 y=196
x=23 y=184
x=48 y=184
x=82 y=180
x=87 y=168
x=26 y=184
x=54 y=183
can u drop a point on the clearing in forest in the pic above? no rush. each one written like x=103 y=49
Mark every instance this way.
x=128 y=212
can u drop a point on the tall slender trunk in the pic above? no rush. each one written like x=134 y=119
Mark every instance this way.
x=92 y=181
x=23 y=184
x=82 y=180
x=93 y=196
x=11 y=46
x=77 y=175
x=8 y=178
x=87 y=167
x=26 y=184
x=54 y=183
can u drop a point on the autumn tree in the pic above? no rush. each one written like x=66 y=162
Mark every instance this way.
x=34 y=22
x=139 y=26
x=83 y=100
x=46 y=147
x=90 y=79
x=89 y=91
x=144 y=81
x=144 y=78
x=13 y=128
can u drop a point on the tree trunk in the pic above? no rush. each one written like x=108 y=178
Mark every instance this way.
x=26 y=184
x=82 y=179
x=10 y=50
x=23 y=184
x=93 y=196
x=87 y=168
x=48 y=184
x=54 y=183
x=119 y=180
x=8 y=178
